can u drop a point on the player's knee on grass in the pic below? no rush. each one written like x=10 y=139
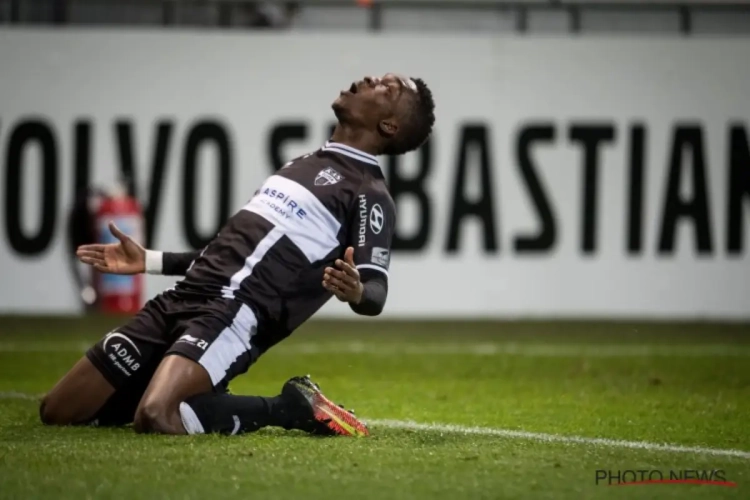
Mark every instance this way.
x=141 y=422
x=52 y=411
x=157 y=417
x=176 y=379
x=46 y=413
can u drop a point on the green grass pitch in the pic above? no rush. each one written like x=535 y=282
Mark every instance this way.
x=445 y=400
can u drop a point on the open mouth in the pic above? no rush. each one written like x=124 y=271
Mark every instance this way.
x=353 y=88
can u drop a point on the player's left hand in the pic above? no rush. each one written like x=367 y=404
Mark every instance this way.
x=344 y=282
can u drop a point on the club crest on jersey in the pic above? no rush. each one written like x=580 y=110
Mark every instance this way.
x=328 y=177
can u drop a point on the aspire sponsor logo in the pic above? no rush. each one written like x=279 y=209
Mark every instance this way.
x=283 y=204
x=634 y=477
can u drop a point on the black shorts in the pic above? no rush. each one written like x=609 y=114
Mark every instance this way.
x=214 y=332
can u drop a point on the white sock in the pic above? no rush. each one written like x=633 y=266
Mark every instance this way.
x=190 y=420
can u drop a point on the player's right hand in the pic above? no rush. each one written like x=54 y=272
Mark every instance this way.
x=125 y=257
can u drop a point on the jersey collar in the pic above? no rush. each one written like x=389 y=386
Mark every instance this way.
x=351 y=153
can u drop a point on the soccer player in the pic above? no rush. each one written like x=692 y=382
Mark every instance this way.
x=320 y=227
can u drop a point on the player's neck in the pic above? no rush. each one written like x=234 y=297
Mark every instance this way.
x=355 y=138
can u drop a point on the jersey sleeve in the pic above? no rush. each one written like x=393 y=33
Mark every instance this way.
x=169 y=263
x=374 y=294
x=371 y=234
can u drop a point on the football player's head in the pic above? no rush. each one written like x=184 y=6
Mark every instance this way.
x=399 y=111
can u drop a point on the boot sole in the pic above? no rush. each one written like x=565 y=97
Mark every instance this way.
x=336 y=418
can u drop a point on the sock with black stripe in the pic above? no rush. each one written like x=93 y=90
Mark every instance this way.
x=230 y=414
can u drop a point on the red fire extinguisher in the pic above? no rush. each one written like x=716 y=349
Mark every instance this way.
x=119 y=294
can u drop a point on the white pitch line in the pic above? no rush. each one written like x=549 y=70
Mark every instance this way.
x=506 y=433
x=556 y=438
x=454 y=348
x=516 y=349
x=33 y=346
x=20 y=395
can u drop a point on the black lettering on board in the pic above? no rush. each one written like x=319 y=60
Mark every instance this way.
x=636 y=182
x=22 y=136
x=473 y=136
x=127 y=153
x=591 y=137
x=281 y=134
x=400 y=187
x=544 y=239
x=202 y=134
x=739 y=186
x=687 y=158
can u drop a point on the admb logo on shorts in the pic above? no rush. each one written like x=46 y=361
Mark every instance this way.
x=633 y=477
x=124 y=354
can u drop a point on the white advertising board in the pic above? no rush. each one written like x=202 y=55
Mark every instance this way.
x=601 y=178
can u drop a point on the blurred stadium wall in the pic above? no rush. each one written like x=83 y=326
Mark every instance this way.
x=590 y=159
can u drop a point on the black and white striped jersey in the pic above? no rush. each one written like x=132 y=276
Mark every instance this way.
x=272 y=254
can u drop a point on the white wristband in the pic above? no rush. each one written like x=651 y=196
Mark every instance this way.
x=154 y=262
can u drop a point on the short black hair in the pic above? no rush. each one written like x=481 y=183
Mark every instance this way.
x=418 y=128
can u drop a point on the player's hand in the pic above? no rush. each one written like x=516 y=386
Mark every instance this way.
x=344 y=282
x=125 y=257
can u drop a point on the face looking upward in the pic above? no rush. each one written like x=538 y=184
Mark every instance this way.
x=376 y=104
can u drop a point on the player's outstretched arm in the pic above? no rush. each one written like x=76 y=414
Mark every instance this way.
x=128 y=257
x=124 y=257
